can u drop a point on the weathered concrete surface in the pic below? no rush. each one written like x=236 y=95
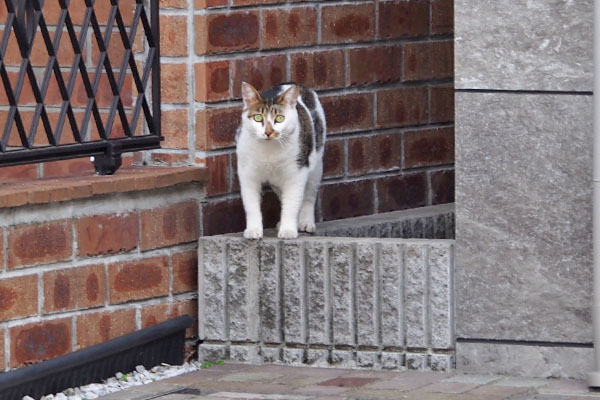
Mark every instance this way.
x=523 y=250
x=523 y=45
x=366 y=302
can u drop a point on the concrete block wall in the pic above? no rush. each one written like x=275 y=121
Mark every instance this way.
x=326 y=301
x=523 y=194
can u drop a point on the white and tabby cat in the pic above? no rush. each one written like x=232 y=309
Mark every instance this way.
x=280 y=142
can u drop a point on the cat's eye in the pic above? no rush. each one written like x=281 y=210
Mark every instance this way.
x=279 y=118
x=258 y=117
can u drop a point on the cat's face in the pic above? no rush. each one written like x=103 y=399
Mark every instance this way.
x=269 y=118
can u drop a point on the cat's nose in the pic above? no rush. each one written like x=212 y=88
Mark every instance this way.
x=269 y=133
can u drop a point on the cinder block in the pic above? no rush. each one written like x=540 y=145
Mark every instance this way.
x=294 y=309
x=416 y=362
x=317 y=357
x=244 y=354
x=341 y=263
x=392 y=360
x=271 y=355
x=270 y=292
x=213 y=352
x=442 y=362
x=293 y=356
x=212 y=273
x=368 y=359
x=319 y=300
x=440 y=296
x=415 y=289
x=242 y=289
x=343 y=358
x=392 y=294
x=367 y=292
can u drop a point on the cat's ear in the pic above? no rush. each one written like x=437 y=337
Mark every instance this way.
x=250 y=95
x=290 y=96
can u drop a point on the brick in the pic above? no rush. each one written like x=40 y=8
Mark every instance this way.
x=319 y=69
x=398 y=19
x=174 y=83
x=140 y=279
x=401 y=107
x=39 y=243
x=1 y=250
x=387 y=151
x=185 y=271
x=360 y=155
x=242 y=289
x=348 y=112
x=428 y=60
x=442 y=17
x=2 y=355
x=333 y=159
x=374 y=64
x=99 y=327
x=223 y=216
x=253 y=2
x=152 y=315
x=173 y=4
x=175 y=128
x=218 y=179
x=173 y=35
x=402 y=192
x=68 y=167
x=425 y=148
x=442 y=187
x=212 y=80
x=40 y=341
x=203 y=4
x=216 y=127
x=73 y=288
x=227 y=32
x=441 y=104
x=346 y=200
x=18 y=172
x=261 y=72
x=170 y=158
x=167 y=226
x=18 y=297
x=347 y=23
x=289 y=28
x=106 y=234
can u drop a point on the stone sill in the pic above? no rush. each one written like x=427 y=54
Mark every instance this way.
x=127 y=179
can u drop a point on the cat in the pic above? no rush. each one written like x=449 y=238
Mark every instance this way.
x=280 y=141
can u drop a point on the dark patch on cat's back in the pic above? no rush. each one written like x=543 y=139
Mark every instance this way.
x=306 y=136
x=309 y=98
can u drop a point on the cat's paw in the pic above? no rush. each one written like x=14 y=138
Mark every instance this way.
x=307 y=226
x=287 y=233
x=253 y=233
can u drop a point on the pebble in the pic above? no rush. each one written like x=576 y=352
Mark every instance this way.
x=141 y=376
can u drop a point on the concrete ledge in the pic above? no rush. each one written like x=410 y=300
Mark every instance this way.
x=367 y=302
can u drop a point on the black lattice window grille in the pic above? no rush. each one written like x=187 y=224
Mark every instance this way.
x=78 y=78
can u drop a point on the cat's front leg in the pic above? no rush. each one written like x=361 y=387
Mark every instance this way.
x=291 y=199
x=251 y=192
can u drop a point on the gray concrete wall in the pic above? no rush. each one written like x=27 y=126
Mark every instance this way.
x=523 y=186
x=326 y=301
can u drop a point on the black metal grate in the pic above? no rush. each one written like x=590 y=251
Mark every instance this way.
x=109 y=90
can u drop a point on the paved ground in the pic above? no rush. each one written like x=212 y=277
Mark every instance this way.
x=274 y=382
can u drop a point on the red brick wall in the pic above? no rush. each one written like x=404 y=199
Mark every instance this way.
x=384 y=70
x=91 y=268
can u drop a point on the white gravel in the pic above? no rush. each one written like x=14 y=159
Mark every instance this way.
x=121 y=381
